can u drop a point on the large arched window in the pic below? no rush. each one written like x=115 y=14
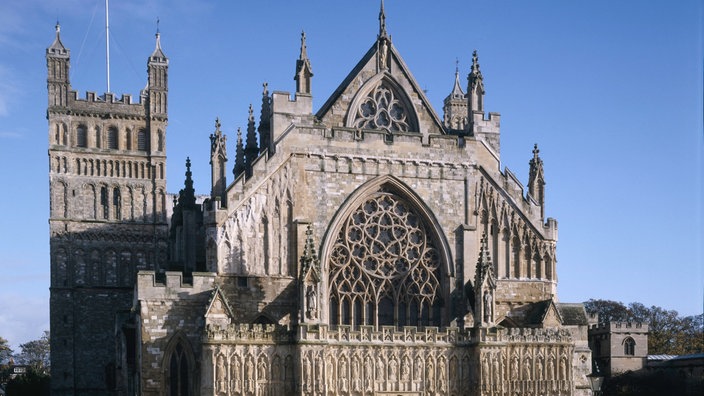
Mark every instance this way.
x=384 y=267
x=142 y=140
x=629 y=346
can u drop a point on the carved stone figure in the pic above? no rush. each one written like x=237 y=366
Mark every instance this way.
x=312 y=302
x=488 y=309
x=221 y=374
x=406 y=369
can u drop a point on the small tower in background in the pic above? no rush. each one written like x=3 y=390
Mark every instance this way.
x=455 y=106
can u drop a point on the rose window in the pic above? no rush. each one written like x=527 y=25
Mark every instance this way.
x=382 y=109
x=384 y=268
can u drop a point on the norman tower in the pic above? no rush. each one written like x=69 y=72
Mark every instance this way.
x=107 y=220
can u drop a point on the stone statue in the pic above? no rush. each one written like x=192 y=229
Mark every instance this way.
x=487 y=307
x=312 y=302
x=221 y=374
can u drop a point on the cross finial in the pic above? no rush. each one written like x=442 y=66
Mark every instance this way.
x=217 y=124
x=535 y=150
x=58 y=27
x=157 y=25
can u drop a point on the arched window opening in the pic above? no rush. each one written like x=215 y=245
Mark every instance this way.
x=179 y=382
x=81 y=136
x=629 y=347
x=104 y=201
x=385 y=269
x=128 y=139
x=112 y=138
x=160 y=144
x=98 y=140
x=142 y=141
x=116 y=203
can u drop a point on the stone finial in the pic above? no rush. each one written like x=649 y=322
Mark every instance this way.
x=536 y=180
x=382 y=21
x=265 y=119
x=239 y=155
x=188 y=194
x=304 y=71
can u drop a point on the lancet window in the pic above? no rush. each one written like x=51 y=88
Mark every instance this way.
x=178 y=372
x=384 y=267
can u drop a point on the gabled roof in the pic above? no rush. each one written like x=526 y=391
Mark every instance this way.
x=367 y=74
x=544 y=313
x=573 y=314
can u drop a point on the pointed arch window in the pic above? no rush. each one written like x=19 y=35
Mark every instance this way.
x=179 y=381
x=384 y=267
x=629 y=346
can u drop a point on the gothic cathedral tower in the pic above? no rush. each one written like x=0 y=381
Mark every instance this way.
x=107 y=221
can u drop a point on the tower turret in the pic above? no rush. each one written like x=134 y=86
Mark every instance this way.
x=455 y=105
x=486 y=129
x=304 y=72
x=157 y=86
x=536 y=181
x=218 y=162
x=57 y=63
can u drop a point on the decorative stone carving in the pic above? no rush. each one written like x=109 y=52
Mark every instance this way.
x=382 y=109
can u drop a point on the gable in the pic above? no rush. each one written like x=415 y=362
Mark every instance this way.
x=381 y=93
x=218 y=311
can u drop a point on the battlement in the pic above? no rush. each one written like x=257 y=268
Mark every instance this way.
x=150 y=286
x=619 y=326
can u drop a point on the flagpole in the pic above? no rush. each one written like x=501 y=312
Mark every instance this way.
x=107 y=44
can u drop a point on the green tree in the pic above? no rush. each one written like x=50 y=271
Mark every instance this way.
x=32 y=383
x=36 y=353
x=5 y=351
x=668 y=332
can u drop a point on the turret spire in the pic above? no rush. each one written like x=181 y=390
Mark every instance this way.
x=187 y=196
x=218 y=160
x=303 y=69
x=251 y=152
x=239 y=155
x=455 y=105
x=536 y=180
x=265 y=119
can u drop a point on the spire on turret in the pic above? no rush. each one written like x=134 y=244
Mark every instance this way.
x=251 y=152
x=57 y=48
x=303 y=69
x=158 y=55
x=536 y=180
x=484 y=286
x=239 y=155
x=218 y=159
x=187 y=196
x=457 y=92
x=265 y=120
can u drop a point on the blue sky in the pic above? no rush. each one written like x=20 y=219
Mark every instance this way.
x=610 y=90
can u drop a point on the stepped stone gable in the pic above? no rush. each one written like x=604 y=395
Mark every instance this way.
x=366 y=249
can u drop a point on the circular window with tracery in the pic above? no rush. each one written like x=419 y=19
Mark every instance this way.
x=382 y=109
x=384 y=268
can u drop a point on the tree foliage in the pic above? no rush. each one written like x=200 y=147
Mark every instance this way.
x=5 y=351
x=668 y=332
x=36 y=353
x=32 y=383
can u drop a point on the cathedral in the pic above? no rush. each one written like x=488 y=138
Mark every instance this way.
x=372 y=247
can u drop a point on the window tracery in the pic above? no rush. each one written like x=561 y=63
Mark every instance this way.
x=382 y=109
x=384 y=267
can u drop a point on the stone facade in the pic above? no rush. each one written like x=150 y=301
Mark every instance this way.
x=618 y=347
x=370 y=248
